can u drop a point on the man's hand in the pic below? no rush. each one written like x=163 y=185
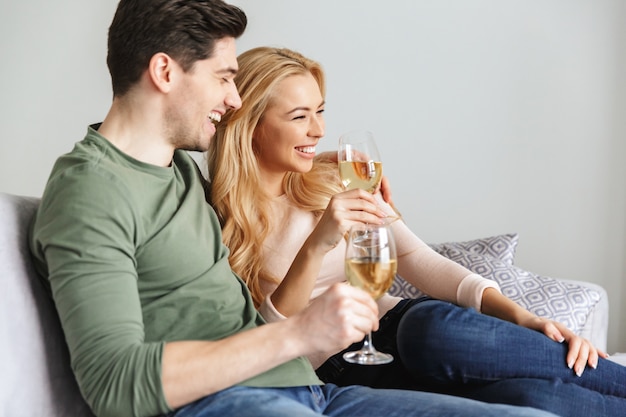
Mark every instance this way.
x=341 y=316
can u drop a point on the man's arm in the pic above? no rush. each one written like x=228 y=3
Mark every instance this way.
x=87 y=240
x=339 y=317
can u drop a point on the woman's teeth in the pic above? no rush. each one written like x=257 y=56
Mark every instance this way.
x=215 y=117
x=306 y=149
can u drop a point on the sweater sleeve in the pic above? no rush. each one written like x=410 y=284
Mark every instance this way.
x=83 y=240
x=434 y=274
x=269 y=312
x=471 y=288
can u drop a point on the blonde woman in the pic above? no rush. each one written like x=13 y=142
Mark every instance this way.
x=284 y=213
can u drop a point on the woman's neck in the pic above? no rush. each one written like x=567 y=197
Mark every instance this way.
x=272 y=183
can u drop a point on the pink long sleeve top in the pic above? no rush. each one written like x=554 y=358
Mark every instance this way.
x=418 y=264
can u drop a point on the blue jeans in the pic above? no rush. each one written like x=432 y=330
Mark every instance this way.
x=330 y=400
x=440 y=347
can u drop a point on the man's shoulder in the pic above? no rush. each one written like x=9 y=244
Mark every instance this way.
x=83 y=174
x=85 y=155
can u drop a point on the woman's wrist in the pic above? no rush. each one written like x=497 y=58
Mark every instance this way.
x=315 y=247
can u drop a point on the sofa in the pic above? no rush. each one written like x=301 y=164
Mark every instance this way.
x=37 y=379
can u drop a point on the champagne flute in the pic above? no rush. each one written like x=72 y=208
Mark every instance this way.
x=360 y=164
x=371 y=264
x=359 y=161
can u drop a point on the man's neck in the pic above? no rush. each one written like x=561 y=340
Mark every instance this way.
x=137 y=133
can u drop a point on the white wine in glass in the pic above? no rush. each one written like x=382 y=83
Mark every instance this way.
x=371 y=264
x=359 y=161
x=360 y=165
x=361 y=174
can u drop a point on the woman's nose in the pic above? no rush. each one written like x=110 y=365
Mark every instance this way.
x=317 y=128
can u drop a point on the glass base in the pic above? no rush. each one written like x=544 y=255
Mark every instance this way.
x=367 y=357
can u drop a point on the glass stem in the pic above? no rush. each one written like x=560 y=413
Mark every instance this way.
x=368 y=347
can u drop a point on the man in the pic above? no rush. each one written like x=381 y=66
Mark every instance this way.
x=155 y=320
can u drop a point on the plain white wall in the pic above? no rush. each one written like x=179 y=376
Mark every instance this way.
x=491 y=116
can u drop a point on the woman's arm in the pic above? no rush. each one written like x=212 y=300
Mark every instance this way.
x=581 y=352
x=344 y=210
x=441 y=278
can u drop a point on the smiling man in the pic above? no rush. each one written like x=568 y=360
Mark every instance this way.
x=155 y=320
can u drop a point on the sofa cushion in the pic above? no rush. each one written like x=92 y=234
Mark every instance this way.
x=36 y=376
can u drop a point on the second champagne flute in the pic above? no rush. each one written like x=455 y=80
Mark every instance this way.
x=371 y=264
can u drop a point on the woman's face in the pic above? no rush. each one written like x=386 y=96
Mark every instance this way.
x=292 y=125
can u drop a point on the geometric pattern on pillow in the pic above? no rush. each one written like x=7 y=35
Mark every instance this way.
x=565 y=302
x=401 y=288
x=501 y=247
x=492 y=258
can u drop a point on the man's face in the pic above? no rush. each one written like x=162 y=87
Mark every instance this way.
x=202 y=97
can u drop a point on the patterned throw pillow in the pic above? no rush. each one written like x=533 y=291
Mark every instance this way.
x=500 y=247
x=565 y=302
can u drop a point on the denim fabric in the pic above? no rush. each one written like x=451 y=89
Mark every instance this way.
x=330 y=400
x=440 y=347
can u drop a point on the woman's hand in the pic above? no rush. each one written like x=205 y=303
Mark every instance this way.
x=385 y=191
x=581 y=352
x=344 y=210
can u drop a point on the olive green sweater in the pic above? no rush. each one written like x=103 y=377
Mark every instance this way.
x=134 y=258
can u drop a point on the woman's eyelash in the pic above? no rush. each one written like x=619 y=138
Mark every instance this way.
x=303 y=116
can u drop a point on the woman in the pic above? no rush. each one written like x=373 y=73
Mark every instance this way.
x=284 y=216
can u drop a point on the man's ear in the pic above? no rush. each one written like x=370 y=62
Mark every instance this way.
x=160 y=71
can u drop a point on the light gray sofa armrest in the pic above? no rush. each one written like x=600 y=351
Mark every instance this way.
x=37 y=379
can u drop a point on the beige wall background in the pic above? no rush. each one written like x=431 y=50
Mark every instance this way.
x=492 y=117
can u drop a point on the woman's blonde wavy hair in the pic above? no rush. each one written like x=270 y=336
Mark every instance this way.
x=235 y=190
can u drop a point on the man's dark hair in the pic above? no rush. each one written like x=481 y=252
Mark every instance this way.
x=186 y=30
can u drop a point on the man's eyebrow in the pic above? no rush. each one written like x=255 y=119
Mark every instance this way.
x=229 y=70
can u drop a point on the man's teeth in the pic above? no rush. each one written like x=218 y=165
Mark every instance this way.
x=215 y=117
x=306 y=149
